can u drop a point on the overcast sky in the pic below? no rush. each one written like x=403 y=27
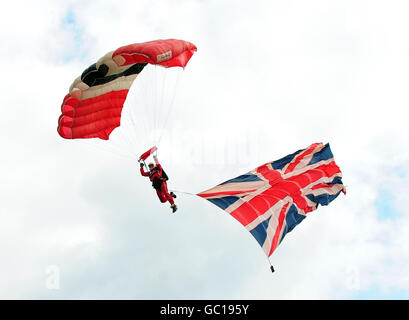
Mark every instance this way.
x=269 y=78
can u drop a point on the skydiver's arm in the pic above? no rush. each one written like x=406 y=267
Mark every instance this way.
x=145 y=174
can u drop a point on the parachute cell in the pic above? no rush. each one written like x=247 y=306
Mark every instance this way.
x=93 y=106
x=272 y=199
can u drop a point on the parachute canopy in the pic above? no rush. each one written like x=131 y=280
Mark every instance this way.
x=93 y=106
x=272 y=199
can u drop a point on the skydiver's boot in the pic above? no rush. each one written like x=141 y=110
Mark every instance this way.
x=173 y=195
x=174 y=208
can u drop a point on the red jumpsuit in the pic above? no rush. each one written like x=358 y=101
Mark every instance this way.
x=162 y=192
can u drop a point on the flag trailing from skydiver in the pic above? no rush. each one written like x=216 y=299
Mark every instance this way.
x=272 y=199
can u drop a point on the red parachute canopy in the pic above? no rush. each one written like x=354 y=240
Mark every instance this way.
x=93 y=106
x=274 y=198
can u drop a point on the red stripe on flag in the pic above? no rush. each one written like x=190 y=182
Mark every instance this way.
x=309 y=176
x=278 y=229
x=323 y=185
x=245 y=213
x=301 y=156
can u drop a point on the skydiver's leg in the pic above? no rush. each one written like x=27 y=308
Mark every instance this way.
x=166 y=193
x=162 y=197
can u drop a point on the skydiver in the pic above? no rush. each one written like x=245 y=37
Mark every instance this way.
x=158 y=178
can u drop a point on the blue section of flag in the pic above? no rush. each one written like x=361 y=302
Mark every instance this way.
x=260 y=231
x=322 y=199
x=279 y=164
x=335 y=181
x=292 y=219
x=324 y=154
x=248 y=177
x=224 y=202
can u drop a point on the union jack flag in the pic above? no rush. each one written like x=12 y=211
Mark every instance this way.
x=272 y=199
